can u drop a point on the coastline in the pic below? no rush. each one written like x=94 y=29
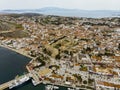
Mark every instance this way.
x=15 y=50
x=9 y=67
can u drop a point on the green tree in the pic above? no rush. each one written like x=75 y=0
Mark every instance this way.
x=84 y=82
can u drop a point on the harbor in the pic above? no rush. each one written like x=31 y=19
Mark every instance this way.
x=12 y=64
x=22 y=82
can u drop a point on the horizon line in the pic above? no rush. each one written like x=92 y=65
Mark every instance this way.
x=61 y=8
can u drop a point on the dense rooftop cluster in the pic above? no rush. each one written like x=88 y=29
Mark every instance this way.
x=82 y=52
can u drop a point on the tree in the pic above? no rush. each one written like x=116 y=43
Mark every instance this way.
x=58 y=56
x=78 y=77
x=119 y=46
x=90 y=81
x=84 y=82
x=83 y=68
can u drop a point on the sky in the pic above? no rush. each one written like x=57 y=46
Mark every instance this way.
x=68 y=4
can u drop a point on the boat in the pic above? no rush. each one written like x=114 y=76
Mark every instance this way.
x=48 y=87
x=77 y=89
x=44 y=82
x=70 y=89
x=55 y=87
x=18 y=82
x=51 y=87
x=34 y=82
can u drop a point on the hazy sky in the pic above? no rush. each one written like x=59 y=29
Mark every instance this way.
x=72 y=4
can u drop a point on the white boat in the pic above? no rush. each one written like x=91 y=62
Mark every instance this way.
x=77 y=89
x=51 y=87
x=70 y=89
x=55 y=87
x=44 y=82
x=34 y=82
x=48 y=87
x=16 y=83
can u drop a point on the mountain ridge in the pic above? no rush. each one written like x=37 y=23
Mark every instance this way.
x=67 y=12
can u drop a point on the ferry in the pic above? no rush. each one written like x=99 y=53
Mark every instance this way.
x=18 y=82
